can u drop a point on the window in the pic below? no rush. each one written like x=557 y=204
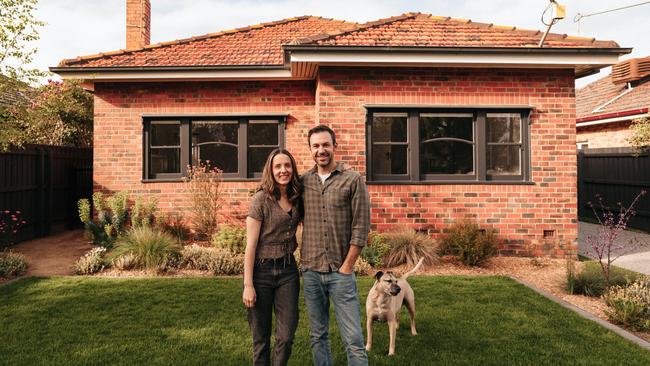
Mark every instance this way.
x=461 y=145
x=237 y=145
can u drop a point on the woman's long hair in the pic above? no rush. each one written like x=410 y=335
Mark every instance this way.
x=268 y=185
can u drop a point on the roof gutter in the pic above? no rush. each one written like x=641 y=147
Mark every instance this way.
x=60 y=69
x=392 y=49
x=612 y=117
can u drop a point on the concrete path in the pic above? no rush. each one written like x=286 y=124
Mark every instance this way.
x=636 y=253
x=55 y=254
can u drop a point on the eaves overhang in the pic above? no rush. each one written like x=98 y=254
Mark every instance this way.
x=305 y=59
x=91 y=75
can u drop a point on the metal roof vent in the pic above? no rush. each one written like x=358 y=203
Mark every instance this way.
x=631 y=70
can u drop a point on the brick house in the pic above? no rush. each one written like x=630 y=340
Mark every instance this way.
x=605 y=108
x=445 y=118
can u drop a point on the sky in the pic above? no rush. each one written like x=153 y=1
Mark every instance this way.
x=83 y=27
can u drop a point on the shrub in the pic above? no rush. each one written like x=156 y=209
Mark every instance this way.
x=218 y=261
x=153 y=249
x=10 y=224
x=470 y=244
x=203 y=184
x=91 y=262
x=111 y=216
x=592 y=282
x=230 y=238
x=198 y=257
x=630 y=305
x=12 y=264
x=126 y=262
x=361 y=267
x=227 y=263
x=376 y=249
x=408 y=246
x=143 y=212
x=174 y=225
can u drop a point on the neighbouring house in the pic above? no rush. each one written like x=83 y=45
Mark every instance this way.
x=445 y=118
x=606 y=108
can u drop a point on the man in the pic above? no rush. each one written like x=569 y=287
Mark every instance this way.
x=336 y=224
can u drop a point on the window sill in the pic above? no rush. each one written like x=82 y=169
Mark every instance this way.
x=181 y=180
x=447 y=182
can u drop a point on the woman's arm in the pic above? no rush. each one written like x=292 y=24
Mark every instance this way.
x=252 y=235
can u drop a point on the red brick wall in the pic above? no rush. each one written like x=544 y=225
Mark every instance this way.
x=118 y=129
x=606 y=135
x=520 y=213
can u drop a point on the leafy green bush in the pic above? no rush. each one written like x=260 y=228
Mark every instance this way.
x=407 y=247
x=91 y=262
x=218 y=261
x=630 y=305
x=153 y=249
x=12 y=264
x=112 y=213
x=465 y=240
x=591 y=280
x=376 y=249
x=230 y=238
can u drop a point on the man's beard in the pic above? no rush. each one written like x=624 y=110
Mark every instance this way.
x=326 y=163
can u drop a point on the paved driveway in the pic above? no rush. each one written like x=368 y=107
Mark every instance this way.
x=636 y=255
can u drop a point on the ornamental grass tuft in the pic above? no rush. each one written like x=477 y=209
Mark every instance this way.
x=154 y=249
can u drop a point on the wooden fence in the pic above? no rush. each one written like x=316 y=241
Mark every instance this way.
x=44 y=183
x=617 y=175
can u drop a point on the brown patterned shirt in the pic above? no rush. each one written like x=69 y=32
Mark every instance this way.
x=336 y=215
x=278 y=231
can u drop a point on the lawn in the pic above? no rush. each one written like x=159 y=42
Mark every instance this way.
x=196 y=321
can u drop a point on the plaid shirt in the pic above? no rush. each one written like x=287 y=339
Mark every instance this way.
x=337 y=215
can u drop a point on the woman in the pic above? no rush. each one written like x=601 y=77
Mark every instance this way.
x=271 y=280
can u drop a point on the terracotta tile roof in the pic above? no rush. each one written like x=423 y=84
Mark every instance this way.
x=259 y=44
x=262 y=44
x=601 y=91
x=425 y=30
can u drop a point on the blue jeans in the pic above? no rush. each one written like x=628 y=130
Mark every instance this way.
x=342 y=288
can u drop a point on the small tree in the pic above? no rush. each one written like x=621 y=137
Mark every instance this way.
x=203 y=184
x=605 y=245
x=18 y=28
x=58 y=113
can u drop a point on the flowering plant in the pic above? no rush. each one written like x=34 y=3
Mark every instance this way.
x=10 y=224
x=607 y=246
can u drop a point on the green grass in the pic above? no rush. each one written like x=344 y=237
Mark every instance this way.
x=192 y=321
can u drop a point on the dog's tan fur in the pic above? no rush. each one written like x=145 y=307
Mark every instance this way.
x=385 y=301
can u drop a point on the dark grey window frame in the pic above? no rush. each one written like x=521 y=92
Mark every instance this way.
x=480 y=148
x=186 y=144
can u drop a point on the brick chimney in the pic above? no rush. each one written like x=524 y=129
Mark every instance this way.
x=138 y=23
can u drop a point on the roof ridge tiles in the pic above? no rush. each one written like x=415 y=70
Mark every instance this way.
x=66 y=62
x=358 y=27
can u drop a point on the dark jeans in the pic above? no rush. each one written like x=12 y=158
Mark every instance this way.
x=277 y=286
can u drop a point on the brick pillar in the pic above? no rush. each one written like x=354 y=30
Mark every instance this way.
x=138 y=23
